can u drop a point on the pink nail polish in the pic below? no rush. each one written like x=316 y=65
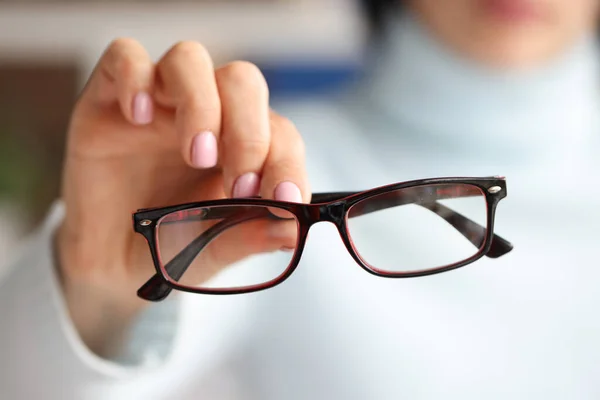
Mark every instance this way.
x=246 y=185
x=143 y=108
x=204 y=150
x=288 y=191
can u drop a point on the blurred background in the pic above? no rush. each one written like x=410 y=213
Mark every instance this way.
x=49 y=47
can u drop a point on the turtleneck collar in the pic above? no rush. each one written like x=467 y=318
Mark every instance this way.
x=437 y=96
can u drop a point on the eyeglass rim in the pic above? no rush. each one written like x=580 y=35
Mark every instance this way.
x=153 y=215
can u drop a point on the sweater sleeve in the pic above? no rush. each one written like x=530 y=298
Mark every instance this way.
x=41 y=353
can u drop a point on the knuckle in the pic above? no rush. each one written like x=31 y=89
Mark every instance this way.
x=253 y=147
x=189 y=49
x=290 y=157
x=193 y=106
x=125 y=68
x=124 y=58
x=121 y=45
x=194 y=102
x=244 y=74
x=288 y=167
x=280 y=123
x=287 y=136
x=297 y=149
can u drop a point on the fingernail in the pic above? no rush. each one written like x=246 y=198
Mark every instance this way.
x=288 y=191
x=142 y=108
x=246 y=185
x=204 y=150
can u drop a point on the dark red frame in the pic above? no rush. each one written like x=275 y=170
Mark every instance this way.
x=331 y=207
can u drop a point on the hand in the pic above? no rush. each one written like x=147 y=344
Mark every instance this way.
x=148 y=135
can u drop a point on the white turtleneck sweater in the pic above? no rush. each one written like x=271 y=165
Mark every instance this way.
x=520 y=327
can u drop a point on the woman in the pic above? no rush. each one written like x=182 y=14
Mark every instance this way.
x=464 y=87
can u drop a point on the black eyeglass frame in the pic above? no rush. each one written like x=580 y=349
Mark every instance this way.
x=329 y=207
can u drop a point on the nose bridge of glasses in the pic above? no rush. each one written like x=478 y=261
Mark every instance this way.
x=331 y=212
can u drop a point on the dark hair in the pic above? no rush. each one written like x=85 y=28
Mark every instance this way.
x=377 y=12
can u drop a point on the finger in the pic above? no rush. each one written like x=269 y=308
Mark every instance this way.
x=284 y=174
x=246 y=133
x=186 y=83
x=232 y=245
x=249 y=238
x=124 y=73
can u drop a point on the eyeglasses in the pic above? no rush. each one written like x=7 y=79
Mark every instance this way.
x=407 y=229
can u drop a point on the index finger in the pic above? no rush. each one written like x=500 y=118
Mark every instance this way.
x=123 y=74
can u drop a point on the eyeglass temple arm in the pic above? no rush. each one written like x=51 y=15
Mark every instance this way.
x=471 y=230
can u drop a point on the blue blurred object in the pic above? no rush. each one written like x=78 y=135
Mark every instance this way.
x=303 y=80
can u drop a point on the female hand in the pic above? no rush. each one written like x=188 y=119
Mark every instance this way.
x=147 y=134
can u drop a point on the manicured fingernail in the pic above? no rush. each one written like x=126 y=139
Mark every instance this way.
x=288 y=191
x=143 y=109
x=246 y=185
x=204 y=150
